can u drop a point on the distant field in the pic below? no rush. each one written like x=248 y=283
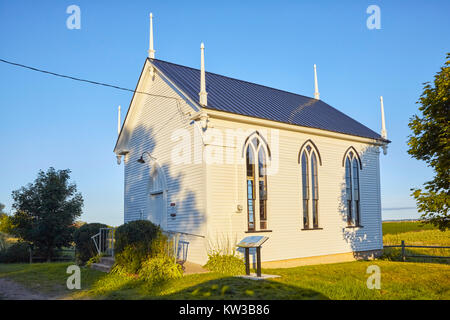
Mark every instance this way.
x=405 y=226
x=415 y=233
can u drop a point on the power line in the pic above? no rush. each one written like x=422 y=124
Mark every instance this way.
x=102 y=84
x=79 y=79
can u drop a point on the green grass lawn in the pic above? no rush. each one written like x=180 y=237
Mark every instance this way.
x=333 y=281
x=399 y=280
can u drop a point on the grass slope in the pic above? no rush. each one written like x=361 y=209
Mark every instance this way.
x=334 y=281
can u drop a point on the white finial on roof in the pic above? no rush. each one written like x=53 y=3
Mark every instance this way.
x=203 y=94
x=316 y=86
x=383 y=124
x=118 y=122
x=151 y=51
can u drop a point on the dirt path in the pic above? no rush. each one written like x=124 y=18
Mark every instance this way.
x=11 y=290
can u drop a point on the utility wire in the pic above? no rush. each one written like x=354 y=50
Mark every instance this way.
x=79 y=79
x=101 y=84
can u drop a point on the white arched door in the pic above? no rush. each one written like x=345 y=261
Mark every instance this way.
x=157 y=208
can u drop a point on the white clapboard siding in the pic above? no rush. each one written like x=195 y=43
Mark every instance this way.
x=226 y=189
x=152 y=124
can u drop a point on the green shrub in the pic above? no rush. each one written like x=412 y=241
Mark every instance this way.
x=130 y=259
x=17 y=252
x=159 y=269
x=228 y=264
x=137 y=242
x=84 y=244
x=141 y=232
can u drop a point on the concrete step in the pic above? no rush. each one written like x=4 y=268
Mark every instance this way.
x=101 y=267
x=109 y=261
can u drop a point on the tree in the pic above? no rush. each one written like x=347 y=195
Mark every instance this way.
x=430 y=142
x=5 y=220
x=46 y=210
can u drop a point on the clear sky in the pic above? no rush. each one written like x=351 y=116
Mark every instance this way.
x=48 y=121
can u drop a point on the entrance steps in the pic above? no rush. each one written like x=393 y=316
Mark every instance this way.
x=104 y=265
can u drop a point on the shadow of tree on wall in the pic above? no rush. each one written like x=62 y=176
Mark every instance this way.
x=361 y=238
x=190 y=217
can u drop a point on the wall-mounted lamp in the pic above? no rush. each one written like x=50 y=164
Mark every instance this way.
x=141 y=159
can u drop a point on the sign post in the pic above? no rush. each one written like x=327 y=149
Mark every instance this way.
x=252 y=242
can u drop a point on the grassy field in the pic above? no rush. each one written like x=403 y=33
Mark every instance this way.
x=399 y=280
x=334 y=281
x=415 y=233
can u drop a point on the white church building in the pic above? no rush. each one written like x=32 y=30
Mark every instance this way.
x=217 y=159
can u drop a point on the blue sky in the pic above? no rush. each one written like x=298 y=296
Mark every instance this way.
x=49 y=121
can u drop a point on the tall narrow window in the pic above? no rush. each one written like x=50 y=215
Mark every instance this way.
x=310 y=160
x=356 y=190
x=251 y=189
x=262 y=189
x=348 y=189
x=256 y=168
x=352 y=167
x=315 y=191
x=305 y=189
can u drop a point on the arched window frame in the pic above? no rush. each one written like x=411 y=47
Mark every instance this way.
x=256 y=182
x=307 y=157
x=353 y=167
x=156 y=173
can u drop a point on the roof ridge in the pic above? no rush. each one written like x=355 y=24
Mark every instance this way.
x=221 y=75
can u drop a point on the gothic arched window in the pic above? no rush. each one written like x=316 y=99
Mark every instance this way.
x=352 y=168
x=309 y=158
x=256 y=154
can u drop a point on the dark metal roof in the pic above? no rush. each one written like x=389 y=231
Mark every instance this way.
x=250 y=99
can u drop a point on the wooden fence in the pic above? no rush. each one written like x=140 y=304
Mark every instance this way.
x=65 y=254
x=403 y=246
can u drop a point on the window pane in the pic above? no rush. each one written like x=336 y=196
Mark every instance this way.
x=250 y=205
x=357 y=218
x=305 y=176
x=261 y=163
x=305 y=214
x=314 y=181
x=355 y=180
x=250 y=161
x=315 y=212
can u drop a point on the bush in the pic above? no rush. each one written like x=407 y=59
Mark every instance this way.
x=84 y=244
x=17 y=252
x=136 y=242
x=129 y=260
x=228 y=264
x=159 y=269
x=141 y=232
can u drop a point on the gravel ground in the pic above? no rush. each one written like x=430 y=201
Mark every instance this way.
x=10 y=290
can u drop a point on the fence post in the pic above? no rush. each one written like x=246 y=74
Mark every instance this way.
x=403 y=251
x=31 y=255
